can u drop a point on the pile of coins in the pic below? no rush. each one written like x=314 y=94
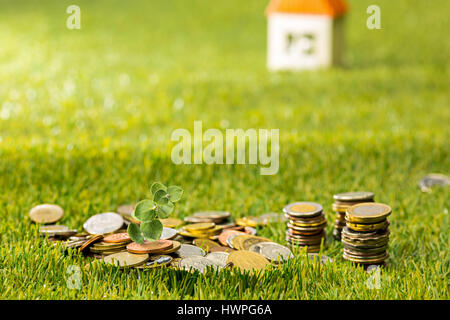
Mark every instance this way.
x=217 y=217
x=306 y=226
x=200 y=230
x=211 y=240
x=192 y=247
x=366 y=235
x=343 y=201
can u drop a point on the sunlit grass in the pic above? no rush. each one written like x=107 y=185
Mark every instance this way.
x=86 y=118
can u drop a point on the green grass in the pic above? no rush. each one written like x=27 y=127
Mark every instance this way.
x=74 y=131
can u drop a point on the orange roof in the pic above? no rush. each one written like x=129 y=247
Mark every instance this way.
x=333 y=8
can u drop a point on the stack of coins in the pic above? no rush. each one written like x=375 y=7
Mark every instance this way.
x=200 y=230
x=366 y=234
x=111 y=244
x=216 y=217
x=343 y=201
x=306 y=225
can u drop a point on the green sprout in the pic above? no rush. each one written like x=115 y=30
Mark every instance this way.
x=149 y=211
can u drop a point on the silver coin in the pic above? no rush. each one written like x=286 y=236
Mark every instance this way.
x=192 y=219
x=52 y=228
x=323 y=258
x=230 y=240
x=354 y=196
x=272 y=217
x=250 y=230
x=220 y=258
x=187 y=250
x=433 y=179
x=74 y=244
x=212 y=215
x=157 y=261
x=103 y=223
x=272 y=251
x=126 y=209
x=199 y=263
x=57 y=230
x=81 y=238
x=168 y=234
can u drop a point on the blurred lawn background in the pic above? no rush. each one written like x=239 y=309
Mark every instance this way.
x=86 y=117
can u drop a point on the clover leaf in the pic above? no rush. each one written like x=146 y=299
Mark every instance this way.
x=149 y=211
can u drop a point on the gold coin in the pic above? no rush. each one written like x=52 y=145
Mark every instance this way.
x=186 y=234
x=301 y=208
x=126 y=259
x=248 y=222
x=248 y=261
x=205 y=244
x=171 y=222
x=368 y=227
x=46 y=213
x=210 y=232
x=199 y=226
x=175 y=246
x=243 y=242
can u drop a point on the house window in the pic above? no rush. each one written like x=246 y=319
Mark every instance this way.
x=300 y=43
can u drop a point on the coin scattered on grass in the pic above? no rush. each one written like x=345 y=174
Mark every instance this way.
x=187 y=250
x=117 y=238
x=205 y=244
x=175 y=246
x=221 y=249
x=223 y=237
x=53 y=229
x=199 y=226
x=220 y=258
x=434 y=179
x=248 y=261
x=150 y=246
x=199 y=263
x=171 y=222
x=46 y=213
x=126 y=259
x=215 y=215
x=91 y=241
x=103 y=223
x=126 y=209
x=168 y=234
x=156 y=262
x=323 y=258
x=272 y=251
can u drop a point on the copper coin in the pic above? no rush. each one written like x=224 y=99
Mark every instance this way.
x=223 y=237
x=117 y=238
x=220 y=249
x=150 y=246
x=90 y=242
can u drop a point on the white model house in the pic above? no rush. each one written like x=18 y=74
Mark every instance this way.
x=305 y=34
